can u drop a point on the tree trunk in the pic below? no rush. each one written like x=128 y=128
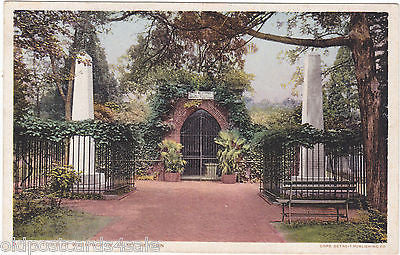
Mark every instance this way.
x=68 y=98
x=371 y=109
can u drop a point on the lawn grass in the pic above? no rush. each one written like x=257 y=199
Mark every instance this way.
x=61 y=223
x=368 y=226
x=320 y=232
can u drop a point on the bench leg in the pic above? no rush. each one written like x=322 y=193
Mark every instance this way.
x=337 y=214
x=283 y=212
x=290 y=213
x=347 y=211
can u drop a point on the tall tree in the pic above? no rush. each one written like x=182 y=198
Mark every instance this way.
x=22 y=77
x=38 y=33
x=365 y=34
x=57 y=37
x=341 y=100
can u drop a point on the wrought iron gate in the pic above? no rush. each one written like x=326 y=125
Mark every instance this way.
x=197 y=137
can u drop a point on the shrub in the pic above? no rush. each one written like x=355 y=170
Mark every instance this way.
x=62 y=178
x=29 y=204
x=172 y=156
x=372 y=227
x=233 y=148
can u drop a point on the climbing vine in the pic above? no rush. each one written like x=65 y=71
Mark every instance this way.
x=337 y=141
x=53 y=130
x=167 y=93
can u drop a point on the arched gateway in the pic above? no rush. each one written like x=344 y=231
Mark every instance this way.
x=195 y=127
x=197 y=137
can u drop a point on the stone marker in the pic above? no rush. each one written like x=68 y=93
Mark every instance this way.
x=312 y=159
x=82 y=148
x=82 y=104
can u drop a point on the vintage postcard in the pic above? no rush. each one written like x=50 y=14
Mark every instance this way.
x=200 y=127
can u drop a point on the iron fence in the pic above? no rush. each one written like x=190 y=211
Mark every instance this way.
x=102 y=167
x=313 y=165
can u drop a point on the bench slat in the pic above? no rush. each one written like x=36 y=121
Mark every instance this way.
x=304 y=201
x=318 y=188
x=331 y=187
x=319 y=182
x=317 y=214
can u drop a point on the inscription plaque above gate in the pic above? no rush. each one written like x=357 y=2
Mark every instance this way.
x=201 y=95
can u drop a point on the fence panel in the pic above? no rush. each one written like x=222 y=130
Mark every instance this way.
x=318 y=163
x=103 y=167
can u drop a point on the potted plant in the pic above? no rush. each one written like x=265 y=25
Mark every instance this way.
x=173 y=161
x=230 y=154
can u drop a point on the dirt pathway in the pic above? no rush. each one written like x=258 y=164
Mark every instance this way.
x=188 y=211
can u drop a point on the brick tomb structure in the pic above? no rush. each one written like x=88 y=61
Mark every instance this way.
x=195 y=124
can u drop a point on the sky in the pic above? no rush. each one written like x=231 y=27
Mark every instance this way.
x=269 y=71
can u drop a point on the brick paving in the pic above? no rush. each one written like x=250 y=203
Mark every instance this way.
x=187 y=211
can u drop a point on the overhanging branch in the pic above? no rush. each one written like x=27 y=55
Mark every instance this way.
x=319 y=43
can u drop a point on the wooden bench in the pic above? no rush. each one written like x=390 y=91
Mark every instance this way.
x=322 y=193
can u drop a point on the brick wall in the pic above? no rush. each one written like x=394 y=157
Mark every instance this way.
x=180 y=113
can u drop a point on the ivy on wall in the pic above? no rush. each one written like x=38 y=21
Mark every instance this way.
x=53 y=130
x=169 y=92
x=338 y=141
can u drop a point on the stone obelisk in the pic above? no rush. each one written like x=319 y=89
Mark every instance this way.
x=82 y=148
x=82 y=104
x=312 y=159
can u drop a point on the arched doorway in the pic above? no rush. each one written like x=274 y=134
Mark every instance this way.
x=197 y=136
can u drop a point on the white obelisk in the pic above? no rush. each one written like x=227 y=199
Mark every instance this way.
x=82 y=104
x=312 y=159
x=82 y=148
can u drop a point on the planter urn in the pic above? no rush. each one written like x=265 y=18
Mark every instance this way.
x=172 y=177
x=228 y=178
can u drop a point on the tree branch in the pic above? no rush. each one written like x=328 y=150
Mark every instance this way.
x=123 y=16
x=319 y=43
x=54 y=69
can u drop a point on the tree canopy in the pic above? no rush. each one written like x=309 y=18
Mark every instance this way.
x=53 y=39
x=341 y=100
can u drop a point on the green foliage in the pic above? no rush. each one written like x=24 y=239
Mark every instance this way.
x=134 y=111
x=318 y=25
x=172 y=156
x=62 y=179
x=341 y=100
x=163 y=49
x=51 y=105
x=239 y=117
x=105 y=86
x=28 y=204
x=370 y=227
x=60 y=223
x=193 y=103
x=52 y=130
x=177 y=85
x=52 y=39
x=231 y=153
x=276 y=118
x=238 y=80
x=22 y=78
x=32 y=202
x=320 y=232
x=119 y=191
x=296 y=80
x=103 y=113
x=336 y=141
